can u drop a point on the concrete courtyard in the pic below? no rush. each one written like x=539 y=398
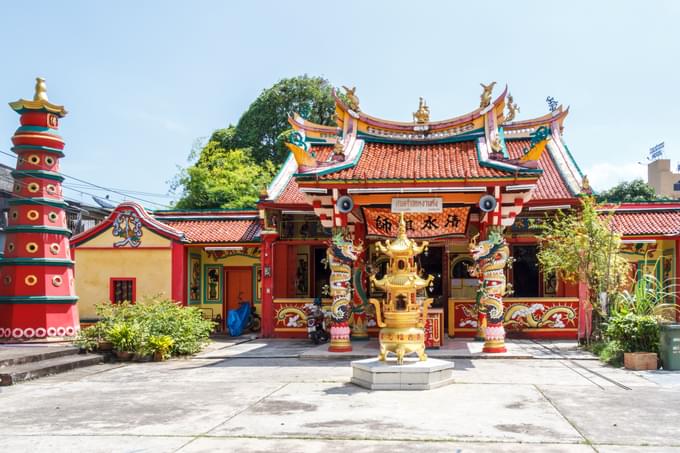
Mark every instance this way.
x=259 y=396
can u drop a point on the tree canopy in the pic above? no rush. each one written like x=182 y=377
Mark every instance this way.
x=266 y=119
x=635 y=190
x=222 y=178
x=237 y=161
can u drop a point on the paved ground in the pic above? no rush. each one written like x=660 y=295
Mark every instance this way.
x=257 y=396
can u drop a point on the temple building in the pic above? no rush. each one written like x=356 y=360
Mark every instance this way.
x=342 y=189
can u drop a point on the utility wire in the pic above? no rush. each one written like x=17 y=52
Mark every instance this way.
x=97 y=186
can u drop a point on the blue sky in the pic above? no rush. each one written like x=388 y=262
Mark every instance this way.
x=143 y=80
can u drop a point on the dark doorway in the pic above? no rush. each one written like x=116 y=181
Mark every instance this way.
x=525 y=271
x=431 y=263
x=322 y=274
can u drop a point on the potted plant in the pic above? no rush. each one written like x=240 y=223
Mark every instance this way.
x=124 y=338
x=160 y=346
x=638 y=337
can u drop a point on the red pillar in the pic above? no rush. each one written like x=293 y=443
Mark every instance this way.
x=37 y=297
x=267 y=261
x=179 y=273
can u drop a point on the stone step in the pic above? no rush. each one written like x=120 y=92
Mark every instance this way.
x=32 y=370
x=11 y=356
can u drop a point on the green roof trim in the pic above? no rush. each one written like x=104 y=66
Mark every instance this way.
x=37 y=201
x=467 y=136
x=38 y=174
x=38 y=129
x=573 y=161
x=22 y=148
x=38 y=229
x=28 y=300
x=36 y=262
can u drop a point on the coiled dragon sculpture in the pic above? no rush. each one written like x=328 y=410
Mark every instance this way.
x=340 y=255
x=491 y=256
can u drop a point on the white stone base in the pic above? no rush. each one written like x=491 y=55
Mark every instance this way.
x=412 y=375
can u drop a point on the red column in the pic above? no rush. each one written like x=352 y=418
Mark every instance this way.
x=267 y=263
x=179 y=273
x=37 y=296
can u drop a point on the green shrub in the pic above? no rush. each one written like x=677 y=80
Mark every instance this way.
x=633 y=332
x=161 y=345
x=141 y=326
x=88 y=338
x=611 y=353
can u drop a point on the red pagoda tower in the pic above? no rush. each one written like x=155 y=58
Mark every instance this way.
x=37 y=299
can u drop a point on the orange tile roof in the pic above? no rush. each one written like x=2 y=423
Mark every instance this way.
x=218 y=231
x=647 y=223
x=427 y=161
x=291 y=194
x=550 y=185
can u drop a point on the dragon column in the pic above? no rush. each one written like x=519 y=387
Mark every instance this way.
x=37 y=299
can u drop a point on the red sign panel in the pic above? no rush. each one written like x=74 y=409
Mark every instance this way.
x=451 y=221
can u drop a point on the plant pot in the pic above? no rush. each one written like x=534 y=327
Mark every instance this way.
x=123 y=356
x=105 y=346
x=158 y=357
x=640 y=360
x=142 y=358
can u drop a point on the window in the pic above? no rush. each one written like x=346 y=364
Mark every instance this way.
x=122 y=289
x=676 y=186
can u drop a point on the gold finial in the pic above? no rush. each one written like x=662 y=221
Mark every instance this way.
x=264 y=194
x=422 y=115
x=40 y=90
x=402 y=226
x=485 y=98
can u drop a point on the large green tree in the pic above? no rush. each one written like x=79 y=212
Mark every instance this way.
x=261 y=126
x=237 y=161
x=635 y=190
x=222 y=178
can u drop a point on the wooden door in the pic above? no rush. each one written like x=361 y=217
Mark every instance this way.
x=238 y=284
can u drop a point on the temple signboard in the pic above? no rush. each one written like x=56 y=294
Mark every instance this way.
x=417 y=205
x=450 y=221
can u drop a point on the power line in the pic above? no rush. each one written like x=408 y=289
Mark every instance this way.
x=97 y=186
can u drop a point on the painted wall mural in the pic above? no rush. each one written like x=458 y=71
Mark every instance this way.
x=212 y=284
x=194 y=278
x=128 y=227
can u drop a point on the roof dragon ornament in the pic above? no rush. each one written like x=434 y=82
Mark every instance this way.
x=512 y=109
x=485 y=98
x=352 y=99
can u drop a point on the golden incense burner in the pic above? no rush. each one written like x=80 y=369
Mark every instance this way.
x=400 y=316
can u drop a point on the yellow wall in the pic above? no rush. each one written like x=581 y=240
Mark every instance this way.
x=230 y=261
x=97 y=261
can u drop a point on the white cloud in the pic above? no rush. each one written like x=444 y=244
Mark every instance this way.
x=604 y=175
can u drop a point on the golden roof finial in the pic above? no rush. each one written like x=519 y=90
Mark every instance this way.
x=402 y=226
x=40 y=90
x=422 y=115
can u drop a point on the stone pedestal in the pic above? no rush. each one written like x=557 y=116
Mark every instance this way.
x=412 y=375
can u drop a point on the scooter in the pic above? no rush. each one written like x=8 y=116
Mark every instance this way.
x=316 y=320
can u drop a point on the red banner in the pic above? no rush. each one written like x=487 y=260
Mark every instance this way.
x=451 y=221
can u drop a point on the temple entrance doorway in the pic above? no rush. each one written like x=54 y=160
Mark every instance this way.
x=432 y=263
x=238 y=287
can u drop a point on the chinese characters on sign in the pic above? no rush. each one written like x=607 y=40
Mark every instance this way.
x=384 y=222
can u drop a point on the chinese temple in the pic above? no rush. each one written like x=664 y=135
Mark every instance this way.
x=467 y=185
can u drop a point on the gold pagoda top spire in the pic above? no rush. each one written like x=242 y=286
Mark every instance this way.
x=40 y=90
x=39 y=102
x=422 y=115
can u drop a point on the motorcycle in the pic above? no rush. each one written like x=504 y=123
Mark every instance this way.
x=316 y=322
x=243 y=318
